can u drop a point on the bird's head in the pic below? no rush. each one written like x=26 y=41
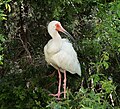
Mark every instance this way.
x=55 y=27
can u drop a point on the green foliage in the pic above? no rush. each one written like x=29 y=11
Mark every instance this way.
x=26 y=81
x=28 y=95
x=19 y=92
x=3 y=17
x=2 y=39
x=86 y=98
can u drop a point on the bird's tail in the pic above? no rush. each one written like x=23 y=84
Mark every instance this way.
x=79 y=70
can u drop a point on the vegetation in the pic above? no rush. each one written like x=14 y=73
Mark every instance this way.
x=25 y=79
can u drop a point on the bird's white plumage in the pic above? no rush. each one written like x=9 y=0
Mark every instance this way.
x=60 y=53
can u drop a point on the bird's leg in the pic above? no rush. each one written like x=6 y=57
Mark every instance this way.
x=64 y=85
x=59 y=83
x=59 y=86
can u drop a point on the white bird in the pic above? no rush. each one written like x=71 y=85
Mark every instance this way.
x=60 y=54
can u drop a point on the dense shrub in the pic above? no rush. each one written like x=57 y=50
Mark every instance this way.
x=25 y=79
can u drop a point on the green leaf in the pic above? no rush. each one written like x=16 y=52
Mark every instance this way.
x=2 y=38
x=1 y=58
x=105 y=64
x=8 y=7
x=107 y=85
x=119 y=49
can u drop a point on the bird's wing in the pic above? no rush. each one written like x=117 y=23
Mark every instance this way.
x=66 y=58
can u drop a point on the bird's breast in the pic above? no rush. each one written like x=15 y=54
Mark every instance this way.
x=53 y=48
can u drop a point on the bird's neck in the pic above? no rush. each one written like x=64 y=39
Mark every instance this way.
x=56 y=36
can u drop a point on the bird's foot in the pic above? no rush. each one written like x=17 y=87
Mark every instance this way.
x=58 y=95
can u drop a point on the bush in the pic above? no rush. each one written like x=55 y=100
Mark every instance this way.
x=25 y=79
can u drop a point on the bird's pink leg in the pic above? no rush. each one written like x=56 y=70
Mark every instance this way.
x=59 y=83
x=59 y=86
x=64 y=85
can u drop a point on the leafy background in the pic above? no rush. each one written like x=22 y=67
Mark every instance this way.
x=25 y=79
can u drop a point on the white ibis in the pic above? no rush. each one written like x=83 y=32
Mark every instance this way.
x=60 y=54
